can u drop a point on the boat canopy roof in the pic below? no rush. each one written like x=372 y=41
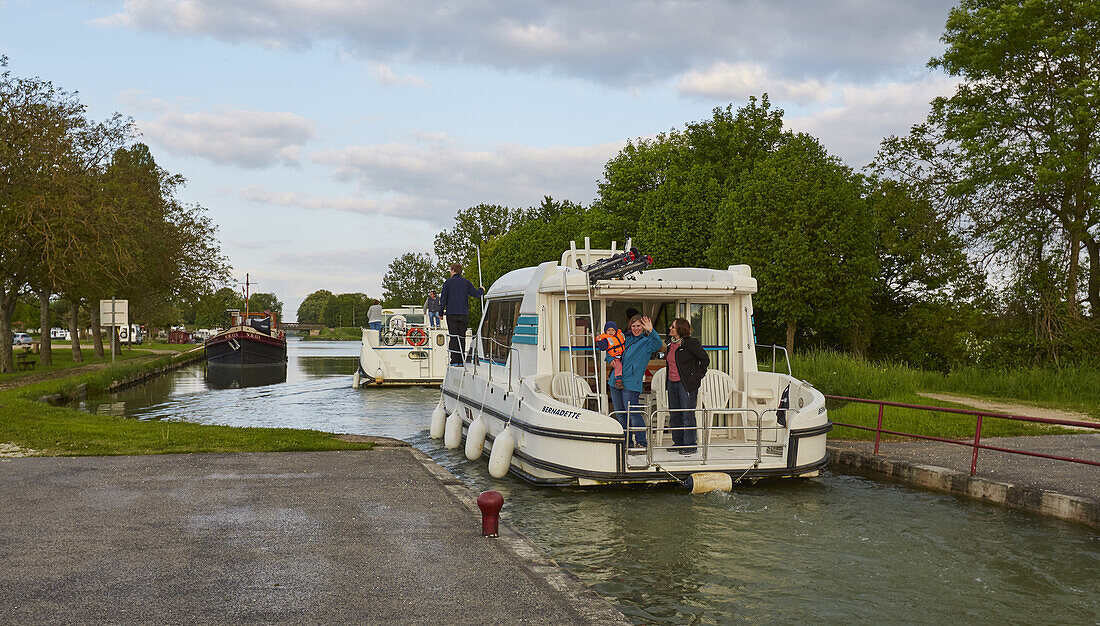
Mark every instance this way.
x=676 y=281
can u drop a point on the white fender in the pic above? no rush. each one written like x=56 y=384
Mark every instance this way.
x=439 y=420
x=706 y=482
x=475 y=438
x=452 y=434
x=500 y=459
x=355 y=380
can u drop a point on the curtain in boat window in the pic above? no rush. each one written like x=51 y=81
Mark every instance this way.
x=574 y=330
x=710 y=325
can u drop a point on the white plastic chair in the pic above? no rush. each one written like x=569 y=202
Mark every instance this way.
x=716 y=392
x=658 y=384
x=570 y=388
x=763 y=391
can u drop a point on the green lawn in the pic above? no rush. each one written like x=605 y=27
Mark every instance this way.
x=63 y=359
x=65 y=431
x=343 y=333
x=1071 y=389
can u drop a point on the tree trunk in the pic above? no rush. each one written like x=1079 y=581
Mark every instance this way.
x=1093 y=247
x=97 y=331
x=46 y=355
x=855 y=341
x=790 y=338
x=74 y=330
x=7 y=310
x=1071 y=274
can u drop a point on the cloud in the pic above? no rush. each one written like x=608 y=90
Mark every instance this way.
x=251 y=139
x=385 y=76
x=738 y=81
x=618 y=42
x=432 y=174
x=405 y=207
x=864 y=115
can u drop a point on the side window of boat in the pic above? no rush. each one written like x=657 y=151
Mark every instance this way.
x=497 y=327
x=710 y=325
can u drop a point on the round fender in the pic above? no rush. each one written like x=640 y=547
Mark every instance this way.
x=452 y=435
x=500 y=459
x=706 y=482
x=355 y=380
x=475 y=438
x=439 y=421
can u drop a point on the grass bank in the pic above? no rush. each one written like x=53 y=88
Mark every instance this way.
x=343 y=333
x=64 y=431
x=1071 y=389
x=63 y=359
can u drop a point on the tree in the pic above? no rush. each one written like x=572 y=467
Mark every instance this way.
x=211 y=308
x=474 y=227
x=1026 y=123
x=409 y=278
x=346 y=309
x=259 y=302
x=798 y=219
x=312 y=309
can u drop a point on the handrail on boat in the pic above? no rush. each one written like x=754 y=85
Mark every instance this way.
x=775 y=350
x=706 y=424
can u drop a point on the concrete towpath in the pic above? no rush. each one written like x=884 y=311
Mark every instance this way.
x=1069 y=491
x=383 y=535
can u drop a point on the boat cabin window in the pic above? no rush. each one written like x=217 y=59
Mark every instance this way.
x=497 y=326
x=710 y=325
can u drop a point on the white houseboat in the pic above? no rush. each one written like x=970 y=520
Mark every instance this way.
x=534 y=398
x=407 y=351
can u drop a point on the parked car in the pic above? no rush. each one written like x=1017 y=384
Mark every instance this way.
x=21 y=339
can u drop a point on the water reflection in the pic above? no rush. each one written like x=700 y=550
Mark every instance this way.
x=241 y=376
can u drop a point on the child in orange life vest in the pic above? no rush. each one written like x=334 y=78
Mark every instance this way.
x=612 y=341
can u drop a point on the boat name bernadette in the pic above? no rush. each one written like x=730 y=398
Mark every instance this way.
x=562 y=412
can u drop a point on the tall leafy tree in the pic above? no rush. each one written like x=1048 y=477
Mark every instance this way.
x=409 y=278
x=311 y=310
x=472 y=228
x=211 y=308
x=259 y=302
x=799 y=220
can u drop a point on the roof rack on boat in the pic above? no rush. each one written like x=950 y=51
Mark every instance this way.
x=603 y=264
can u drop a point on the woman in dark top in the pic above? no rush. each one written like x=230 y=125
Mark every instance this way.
x=687 y=364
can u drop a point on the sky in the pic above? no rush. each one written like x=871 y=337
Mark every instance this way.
x=327 y=137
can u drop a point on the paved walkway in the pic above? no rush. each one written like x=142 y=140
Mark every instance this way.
x=315 y=537
x=1067 y=490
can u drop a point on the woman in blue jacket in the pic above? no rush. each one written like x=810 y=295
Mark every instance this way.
x=641 y=343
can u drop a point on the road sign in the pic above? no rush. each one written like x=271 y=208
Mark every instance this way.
x=121 y=312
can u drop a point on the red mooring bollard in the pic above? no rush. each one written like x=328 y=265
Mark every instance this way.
x=490 y=503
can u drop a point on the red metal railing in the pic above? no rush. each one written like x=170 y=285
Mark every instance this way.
x=976 y=444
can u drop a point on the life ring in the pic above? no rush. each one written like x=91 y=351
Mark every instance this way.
x=417 y=337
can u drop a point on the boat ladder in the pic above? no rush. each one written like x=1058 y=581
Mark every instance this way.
x=582 y=345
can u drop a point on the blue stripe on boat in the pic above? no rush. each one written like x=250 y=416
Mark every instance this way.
x=528 y=319
x=530 y=339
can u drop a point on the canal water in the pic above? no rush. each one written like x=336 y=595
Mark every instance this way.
x=833 y=549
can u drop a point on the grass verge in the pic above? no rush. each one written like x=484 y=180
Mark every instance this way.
x=343 y=333
x=1069 y=389
x=64 y=431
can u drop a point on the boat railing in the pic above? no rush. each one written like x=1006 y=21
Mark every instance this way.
x=717 y=431
x=391 y=336
x=775 y=350
x=511 y=359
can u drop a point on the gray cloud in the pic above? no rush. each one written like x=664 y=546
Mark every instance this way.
x=249 y=139
x=620 y=42
x=861 y=117
x=432 y=176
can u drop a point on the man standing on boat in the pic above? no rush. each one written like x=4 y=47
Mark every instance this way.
x=454 y=304
x=431 y=309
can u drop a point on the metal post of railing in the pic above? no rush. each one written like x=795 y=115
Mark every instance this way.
x=977 y=444
x=878 y=430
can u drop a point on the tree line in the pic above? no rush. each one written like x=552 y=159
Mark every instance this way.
x=974 y=239
x=87 y=214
